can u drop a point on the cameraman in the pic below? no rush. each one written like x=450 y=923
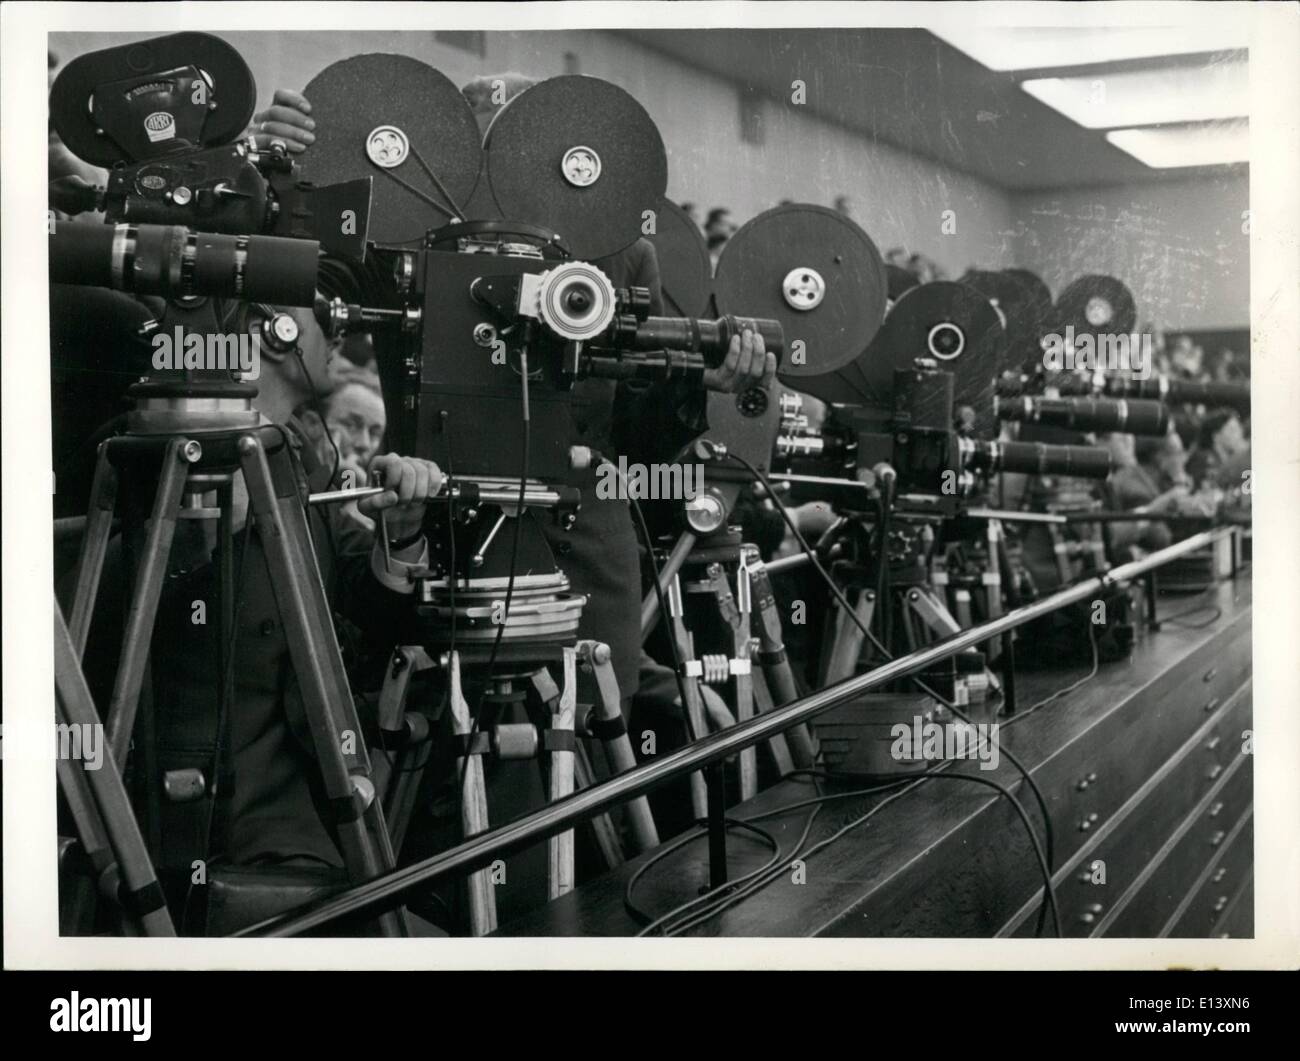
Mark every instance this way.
x=271 y=808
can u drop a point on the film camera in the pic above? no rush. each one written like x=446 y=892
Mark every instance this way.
x=165 y=116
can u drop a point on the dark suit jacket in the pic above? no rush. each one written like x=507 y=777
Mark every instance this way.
x=647 y=423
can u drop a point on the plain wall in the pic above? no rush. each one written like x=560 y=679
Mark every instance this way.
x=897 y=198
x=1179 y=246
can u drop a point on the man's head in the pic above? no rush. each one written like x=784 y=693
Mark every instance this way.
x=1121 y=448
x=1188 y=358
x=1171 y=456
x=301 y=375
x=1163 y=455
x=355 y=417
x=1221 y=431
x=488 y=93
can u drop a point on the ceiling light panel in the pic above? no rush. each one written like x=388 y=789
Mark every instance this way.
x=1008 y=48
x=1173 y=147
x=1203 y=92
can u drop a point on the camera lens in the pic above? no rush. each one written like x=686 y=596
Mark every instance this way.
x=578 y=299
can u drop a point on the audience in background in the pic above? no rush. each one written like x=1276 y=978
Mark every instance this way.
x=1227 y=369
x=1188 y=360
x=1222 y=451
x=1131 y=488
x=1164 y=460
x=718 y=228
x=924 y=269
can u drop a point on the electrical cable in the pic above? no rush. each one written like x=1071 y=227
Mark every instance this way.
x=680 y=842
x=1096 y=661
x=664 y=615
x=843 y=602
x=730 y=900
x=883 y=786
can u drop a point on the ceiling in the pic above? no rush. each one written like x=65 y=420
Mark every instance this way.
x=908 y=88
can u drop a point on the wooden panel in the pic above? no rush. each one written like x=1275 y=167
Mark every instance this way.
x=1218 y=885
x=1145 y=908
x=948 y=857
x=1179 y=794
x=1238 y=920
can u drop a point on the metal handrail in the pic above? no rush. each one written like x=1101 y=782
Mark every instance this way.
x=478 y=851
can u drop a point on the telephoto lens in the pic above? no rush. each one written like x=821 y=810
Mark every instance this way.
x=695 y=335
x=1037 y=458
x=1088 y=414
x=175 y=262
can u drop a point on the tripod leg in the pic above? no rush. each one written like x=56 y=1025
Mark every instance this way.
x=691 y=680
x=937 y=622
x=90 y=829
x=611 y=851
x=667 y=573
x=410 y=769
x=734 y=611
x=560 y=848
x=331 y=714
x=94 y=545
x=548 y=693
x=776 y=664
x=847 y=646
x=777 y=745
x=397 y=770
x=610 y=727
x=1061 y=549
x=406 y=662
x=144 y=600
x=473 y=801
x=143 y=894
x=992 y=581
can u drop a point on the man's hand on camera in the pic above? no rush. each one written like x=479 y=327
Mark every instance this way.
x=286 y=119
x=408 y=483
x=72 y=195
x=747 y=363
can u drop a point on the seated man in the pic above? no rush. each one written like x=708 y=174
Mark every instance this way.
x=269 y=806
x=1222 y=451
x=348 y=432
x=1130 y=488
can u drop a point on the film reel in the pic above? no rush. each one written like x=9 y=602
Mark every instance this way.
x=820 y=275
x=401 y=122
x=104 y=127
x=1038 y=300
x=1022 y=301
x=684 y=266
x=581 y=157
x=956 y=327
x=1098 y=304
